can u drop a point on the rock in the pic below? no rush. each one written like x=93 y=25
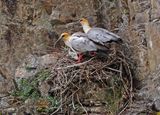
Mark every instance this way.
x=11 y=110
x=146 y=31
x=33 y=64
x=156 y=105
x=48 y=59
x=6 y=87
x=29 y=102
x=22 y=72
x=27 y=26
x=6 y=72
x=54 y=18
x=47 y=4
x=28 y=68
x=4 y=103
x=149 y=95
x=44 y=88
x=31 y=61
x=1 y=78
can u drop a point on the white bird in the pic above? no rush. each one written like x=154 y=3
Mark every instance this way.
x=99 y=35
x=80 y=43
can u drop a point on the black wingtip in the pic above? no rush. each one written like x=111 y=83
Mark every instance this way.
x=119 y=40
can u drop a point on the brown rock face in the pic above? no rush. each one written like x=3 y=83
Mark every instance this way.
x=144 y=22
x=32 y=27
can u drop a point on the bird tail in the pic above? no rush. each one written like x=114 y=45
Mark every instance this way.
x=102 y=52
x=118 y=41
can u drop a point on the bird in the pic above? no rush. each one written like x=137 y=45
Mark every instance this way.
x=80 y=43
x=99 y=35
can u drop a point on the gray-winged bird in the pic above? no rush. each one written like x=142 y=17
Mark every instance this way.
x=80 y=43
x=99 y=35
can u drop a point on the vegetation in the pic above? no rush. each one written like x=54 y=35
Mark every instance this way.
x=28 y=89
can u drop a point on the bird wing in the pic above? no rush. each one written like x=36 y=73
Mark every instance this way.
x=102 y=36
x=80 y=34
x=81 y=43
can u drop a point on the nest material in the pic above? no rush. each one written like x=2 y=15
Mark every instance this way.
x=75 y=84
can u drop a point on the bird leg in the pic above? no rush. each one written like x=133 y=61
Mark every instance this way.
x=80 y=56
x=92 y=53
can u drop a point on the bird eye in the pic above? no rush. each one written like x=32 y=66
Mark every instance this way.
x=81 y=20
x=63 y=36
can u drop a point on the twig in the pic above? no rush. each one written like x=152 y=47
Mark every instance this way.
x=126 y=105
x=81 y=104
x=75 y=65
x=123 y=83
x=57 y=109
x=113 y=69
x=100 y=79
x=58 y=61
x=71 y=79
x=62 y=103
x=131 y=88
x=73 y=102
x=102 y=67
x=131 y=81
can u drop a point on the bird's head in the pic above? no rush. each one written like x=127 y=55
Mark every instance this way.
x=65 y=36
x=84 y=21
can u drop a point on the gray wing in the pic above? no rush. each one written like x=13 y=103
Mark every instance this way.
x=102 y=36
x=81 y=43
x=80 y=34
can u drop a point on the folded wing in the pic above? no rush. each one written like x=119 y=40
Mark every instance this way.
x=81 y=43
x=102 y=36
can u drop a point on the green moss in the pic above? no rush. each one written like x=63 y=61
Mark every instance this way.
x=54 y=104
x=28 y=89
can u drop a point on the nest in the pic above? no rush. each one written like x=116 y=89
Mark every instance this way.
x=79 y=87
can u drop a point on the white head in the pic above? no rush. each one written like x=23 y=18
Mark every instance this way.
x=65 y=36
x=85 y=24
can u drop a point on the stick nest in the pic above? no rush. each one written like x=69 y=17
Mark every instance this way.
x=102 y=81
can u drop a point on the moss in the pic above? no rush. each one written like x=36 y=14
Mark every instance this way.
x=28 y=89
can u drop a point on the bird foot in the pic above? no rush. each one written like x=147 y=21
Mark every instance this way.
x=80 y=57
x=78 y=61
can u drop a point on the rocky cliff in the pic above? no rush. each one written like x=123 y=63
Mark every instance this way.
x=32 y=27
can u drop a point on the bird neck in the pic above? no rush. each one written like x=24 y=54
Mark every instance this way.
x=65 y=39
x=86 y=28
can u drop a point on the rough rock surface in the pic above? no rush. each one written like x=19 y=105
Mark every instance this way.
x=32 y=27
x=33 y=64
x=148 y=98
